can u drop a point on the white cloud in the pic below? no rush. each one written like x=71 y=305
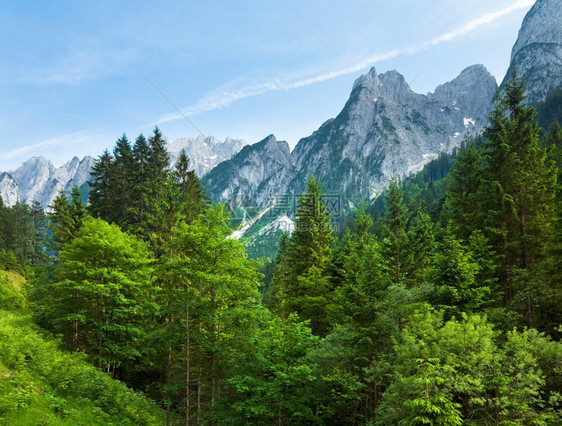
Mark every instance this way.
x=79 y=65
x=225 y=95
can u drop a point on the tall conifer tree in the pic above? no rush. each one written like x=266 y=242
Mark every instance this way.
x=101 y=191
x=305 y=282
x=518 y=193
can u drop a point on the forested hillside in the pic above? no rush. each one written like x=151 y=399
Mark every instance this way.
x=41 y=383
x=440 y=303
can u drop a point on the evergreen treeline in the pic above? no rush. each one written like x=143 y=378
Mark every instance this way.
x=22 y=235
x=440 y=306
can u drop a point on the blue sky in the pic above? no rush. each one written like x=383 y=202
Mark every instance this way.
x=72 y=73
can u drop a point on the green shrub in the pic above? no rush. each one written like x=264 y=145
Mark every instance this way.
x=42 y=384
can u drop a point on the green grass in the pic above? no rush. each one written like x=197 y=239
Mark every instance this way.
x=12 y=294
x=42 y=384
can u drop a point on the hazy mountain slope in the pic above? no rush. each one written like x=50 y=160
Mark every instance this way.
x=205 y=152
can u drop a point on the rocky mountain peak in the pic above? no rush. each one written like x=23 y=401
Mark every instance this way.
x=393 y=85
x=389 y=85
x=542 y=24
x=537 y=54
x=257 y=172
x=386 y=128
x=367 y=81
x=272 y=146
x=473 y=89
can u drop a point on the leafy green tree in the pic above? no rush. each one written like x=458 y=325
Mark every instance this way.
x=341 y=395
x=209 y=298
x=100 y=297
x=458 y=369
x=274 y=386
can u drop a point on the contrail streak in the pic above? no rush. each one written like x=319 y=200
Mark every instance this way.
x=227 y=94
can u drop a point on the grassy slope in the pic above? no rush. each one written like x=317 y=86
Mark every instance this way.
x=42 y=384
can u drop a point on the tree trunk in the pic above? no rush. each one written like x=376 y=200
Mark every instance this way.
x=169 y=370
x=187 y=366
x=199 y=391
x=199 y=387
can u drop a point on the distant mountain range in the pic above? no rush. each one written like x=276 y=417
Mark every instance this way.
x=38 y=180
x=384 y=128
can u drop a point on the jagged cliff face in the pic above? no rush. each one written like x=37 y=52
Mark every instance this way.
x=38 y=180
x=205 y=152
x=8 y=189
x=258 y=173
x=386 y=128
x=537 y=54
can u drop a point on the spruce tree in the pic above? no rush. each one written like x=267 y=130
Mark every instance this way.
x=158 y=161
x=39 y=234
x=141 y=187
x=463 y=185
x=66 y=217
x=22 y=231
x=518 y=195
x=422 y=245
x=157 y=172
x=304 y=281
x=101 y=190
x=395 y=238
x=122 y=183
x=191 y=192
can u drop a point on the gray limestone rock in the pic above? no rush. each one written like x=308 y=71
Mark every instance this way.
x=537 y=54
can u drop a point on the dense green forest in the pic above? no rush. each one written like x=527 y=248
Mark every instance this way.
x=439 y=304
